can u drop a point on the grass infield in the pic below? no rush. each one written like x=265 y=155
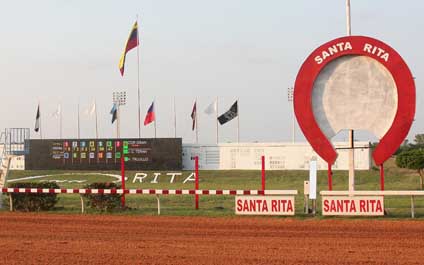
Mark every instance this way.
x=210 y=205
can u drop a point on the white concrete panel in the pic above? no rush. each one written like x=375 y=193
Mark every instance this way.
x=278 y=156
x=354 y=92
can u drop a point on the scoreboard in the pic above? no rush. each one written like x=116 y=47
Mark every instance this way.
x=105 y=154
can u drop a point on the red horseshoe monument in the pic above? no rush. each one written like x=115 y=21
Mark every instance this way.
x=357 y=83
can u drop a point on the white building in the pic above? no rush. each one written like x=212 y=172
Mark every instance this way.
x=278 y=156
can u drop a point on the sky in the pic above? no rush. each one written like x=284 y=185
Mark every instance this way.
x=67 y=52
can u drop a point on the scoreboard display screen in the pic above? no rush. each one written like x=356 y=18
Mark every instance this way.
x=105 y=154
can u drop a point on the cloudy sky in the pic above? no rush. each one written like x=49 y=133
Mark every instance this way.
x=68 y=51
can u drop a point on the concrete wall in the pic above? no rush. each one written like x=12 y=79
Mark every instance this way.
x=278 y=156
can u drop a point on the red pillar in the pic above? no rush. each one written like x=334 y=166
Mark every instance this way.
x=263 y=172
x=196 y=173
x=330 y=177
x=381 y=177
x=123 y=181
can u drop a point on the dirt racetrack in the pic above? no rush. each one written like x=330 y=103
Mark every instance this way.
x=105 y=239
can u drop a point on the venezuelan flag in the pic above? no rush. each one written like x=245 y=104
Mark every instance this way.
x=131 y=43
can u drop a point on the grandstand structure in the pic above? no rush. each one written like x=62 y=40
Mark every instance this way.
x=14 y=145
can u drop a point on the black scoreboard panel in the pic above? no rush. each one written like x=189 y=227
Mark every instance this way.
x=104 y=154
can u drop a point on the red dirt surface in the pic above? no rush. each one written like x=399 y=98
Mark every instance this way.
x=105 y=239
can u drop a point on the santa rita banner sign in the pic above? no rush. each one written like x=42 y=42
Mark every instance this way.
x=264 y=205
x=353 y=205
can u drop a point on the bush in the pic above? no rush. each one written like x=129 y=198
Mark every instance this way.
x=30 y=202
x=103 y=202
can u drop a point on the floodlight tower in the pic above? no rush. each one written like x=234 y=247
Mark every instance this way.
x=119 y=99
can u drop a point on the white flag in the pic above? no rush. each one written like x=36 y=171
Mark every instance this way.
x=211 y=108
x=92 y=110
x=56 y=114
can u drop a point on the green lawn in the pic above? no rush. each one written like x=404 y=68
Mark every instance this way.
x=396 y=179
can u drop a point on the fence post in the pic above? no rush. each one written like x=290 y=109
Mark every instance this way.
x=330 y=177
x=196 y=173
x=263 y=173
x=158 y=200
x=82 y=203
x=10 y=202
x=412 y=206
x=381 y=177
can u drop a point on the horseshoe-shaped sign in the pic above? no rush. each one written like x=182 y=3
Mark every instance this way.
x=317 y=112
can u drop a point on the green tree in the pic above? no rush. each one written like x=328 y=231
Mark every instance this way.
x=412 y=159
x=419 y=139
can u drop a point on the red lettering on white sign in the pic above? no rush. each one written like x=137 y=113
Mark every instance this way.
x=344 y=205
x=264 y=205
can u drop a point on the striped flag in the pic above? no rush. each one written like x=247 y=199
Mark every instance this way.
x=150 y=116
x=131 y=43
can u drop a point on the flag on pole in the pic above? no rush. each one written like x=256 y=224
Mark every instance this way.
x=114 y=112
x=91 y=110
x=193 y=116
x=131 y=43
x=57 y=112
x=229 y=115
x=37 y=119
x=211 y=109
x=150 y=116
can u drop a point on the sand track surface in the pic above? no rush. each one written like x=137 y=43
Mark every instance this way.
x=27 y=238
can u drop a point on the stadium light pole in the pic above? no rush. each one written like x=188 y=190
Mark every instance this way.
x=290 y=91
x=120 y=99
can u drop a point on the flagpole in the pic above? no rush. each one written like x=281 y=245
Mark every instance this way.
x=195 y=119
x=138 y=83
x=118 y=121
x=41 y=134
x=95 y=113
x=175 y=120
x=216 y=120
x=238 y=121
x=78 y=121
x=60 y=120
x=154 y=111
x=351 y=132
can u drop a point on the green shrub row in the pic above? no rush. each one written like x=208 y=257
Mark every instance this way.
x=31 y=202
x=34 y=202
x=103 y=202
